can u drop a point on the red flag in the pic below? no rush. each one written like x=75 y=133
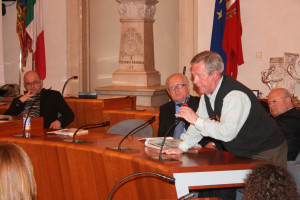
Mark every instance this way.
x=232 y=43
x=35 y=30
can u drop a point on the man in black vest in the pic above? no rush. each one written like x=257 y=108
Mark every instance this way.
x=287 y=118
x=230 y=112
x=177 y=86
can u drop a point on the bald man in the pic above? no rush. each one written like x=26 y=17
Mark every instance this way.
x=288 y=119
x=45 y=103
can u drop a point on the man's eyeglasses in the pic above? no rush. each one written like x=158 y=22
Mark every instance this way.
x=33 y=83
x=178 y=86
x=276 y=100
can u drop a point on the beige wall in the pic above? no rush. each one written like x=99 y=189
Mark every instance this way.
x=270 y=26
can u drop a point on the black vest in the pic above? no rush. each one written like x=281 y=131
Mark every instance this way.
x=259 y=132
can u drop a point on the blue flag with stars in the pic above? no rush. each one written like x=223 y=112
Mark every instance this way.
x=218 y=30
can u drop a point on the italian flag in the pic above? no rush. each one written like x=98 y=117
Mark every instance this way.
x=34 y=28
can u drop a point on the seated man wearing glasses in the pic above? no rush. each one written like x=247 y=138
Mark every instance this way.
x=288 y=119
x=42 y=102
x=177 y=86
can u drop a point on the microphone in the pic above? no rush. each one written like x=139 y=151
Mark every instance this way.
x=87 y=126
x=168 y=178
x=187 y=196
x=177 y=120
x=184 y=69
x=73 y=77
x=131 y=101
x=29 y=110
x=132 y=131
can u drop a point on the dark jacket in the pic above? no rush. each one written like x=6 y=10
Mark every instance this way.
x=52 y=107
x=167 y=116
x=289 y=124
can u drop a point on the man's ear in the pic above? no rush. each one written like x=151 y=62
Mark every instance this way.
x=216 y=74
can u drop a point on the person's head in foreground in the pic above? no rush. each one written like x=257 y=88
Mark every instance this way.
x=270 y=182
x=16 y=174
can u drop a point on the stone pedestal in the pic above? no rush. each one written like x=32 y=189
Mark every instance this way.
x=136 y=74
x=153 y=96
x=136 y=55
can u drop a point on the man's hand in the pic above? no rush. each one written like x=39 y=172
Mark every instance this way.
x=173 y=151
x=188 y=114
x=55 y=125
x=27 y=96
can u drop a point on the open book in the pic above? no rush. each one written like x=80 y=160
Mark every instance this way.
x=69 y=132
x=156 y=142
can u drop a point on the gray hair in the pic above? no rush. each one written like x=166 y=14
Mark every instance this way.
x=212 y=60
x=186 y=81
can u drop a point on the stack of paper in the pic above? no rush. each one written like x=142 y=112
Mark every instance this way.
x=157 y=142
x=69 y=132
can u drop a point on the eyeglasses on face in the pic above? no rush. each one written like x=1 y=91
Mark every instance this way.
x=28 y=84
x=178 y=86
x=276 y=100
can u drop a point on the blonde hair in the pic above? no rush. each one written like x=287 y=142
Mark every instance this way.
x=16 y=174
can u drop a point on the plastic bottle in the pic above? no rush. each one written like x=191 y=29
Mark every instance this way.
x=27 y=128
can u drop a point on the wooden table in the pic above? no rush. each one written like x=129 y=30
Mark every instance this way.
x=66 y=170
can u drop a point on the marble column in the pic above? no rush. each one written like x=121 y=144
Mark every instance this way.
x=136 y=56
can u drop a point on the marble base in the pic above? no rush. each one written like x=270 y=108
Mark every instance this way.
x=143 y=79
x=152 y=96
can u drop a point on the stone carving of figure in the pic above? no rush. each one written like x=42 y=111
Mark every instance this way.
x=282 y=73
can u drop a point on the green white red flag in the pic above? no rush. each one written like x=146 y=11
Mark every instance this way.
x=34 y=28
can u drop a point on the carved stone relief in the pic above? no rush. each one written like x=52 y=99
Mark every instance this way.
x=282 y=72
x=131 y=42
x=136 y=11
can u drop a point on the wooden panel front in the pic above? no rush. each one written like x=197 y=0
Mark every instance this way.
x=89 y=171
x=90 y=111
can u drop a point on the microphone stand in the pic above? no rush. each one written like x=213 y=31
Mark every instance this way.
x=128 y=134
x=131 y=101
x=170 y=179
x=87 y=126
x=73 y=77
x=165 y=158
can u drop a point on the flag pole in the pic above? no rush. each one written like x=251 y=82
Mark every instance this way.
x=20 y=68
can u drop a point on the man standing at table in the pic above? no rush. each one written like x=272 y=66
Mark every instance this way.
x=287 y=118
x=45 y=103
x=230 y=112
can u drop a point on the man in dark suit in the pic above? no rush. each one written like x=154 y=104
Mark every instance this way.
x=177 y=86
x=288 y=119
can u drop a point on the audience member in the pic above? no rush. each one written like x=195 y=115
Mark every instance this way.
x=230 y=112
x=45 y=103
x=270 y=182
x=177 y=86
x=288 y=119
x=16 y=174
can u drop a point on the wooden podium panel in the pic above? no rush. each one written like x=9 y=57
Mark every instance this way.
x=90 y=111
x=14 y=126
x=90 y=170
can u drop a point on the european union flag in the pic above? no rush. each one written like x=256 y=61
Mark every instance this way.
x=218 y=30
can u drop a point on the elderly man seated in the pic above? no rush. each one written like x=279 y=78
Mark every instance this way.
x=288 y=119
